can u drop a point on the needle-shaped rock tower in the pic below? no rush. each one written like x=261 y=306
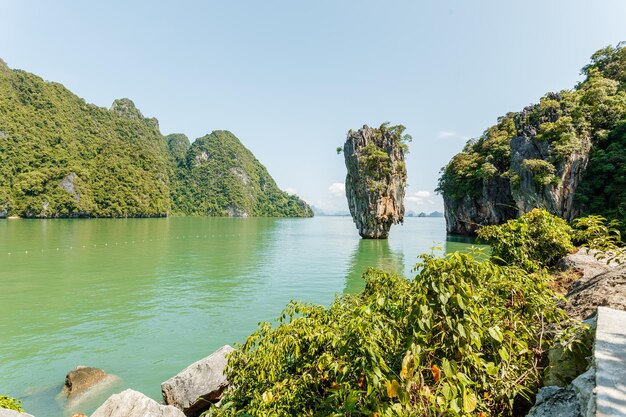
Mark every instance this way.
x=376 y=178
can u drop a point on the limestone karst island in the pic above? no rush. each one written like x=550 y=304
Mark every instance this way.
x=313 y=209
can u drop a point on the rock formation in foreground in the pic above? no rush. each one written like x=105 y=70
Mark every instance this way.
x=201 y=384
x=564 y=154
x=83 y=379
x=376 y=178
x=131 y=403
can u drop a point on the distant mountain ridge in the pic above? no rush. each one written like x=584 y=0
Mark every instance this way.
x=63 y=157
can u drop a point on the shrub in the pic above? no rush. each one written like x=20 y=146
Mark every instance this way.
x=543 y=171
x=10 y=403
x=463 y=338
x=535 y=240
x=593 y=232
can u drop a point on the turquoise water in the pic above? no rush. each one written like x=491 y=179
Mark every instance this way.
x=144 y=298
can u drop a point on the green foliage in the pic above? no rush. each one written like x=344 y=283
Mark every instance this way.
x=562 y=125
x=602 y=190
x=534 y=241
x=374 y=160
x=374 y=165
x=11 y=403
x=482 y=159
x=595 y=233
x=62 y=157
x=220 y=177
x=463 y=337
x=543 y=171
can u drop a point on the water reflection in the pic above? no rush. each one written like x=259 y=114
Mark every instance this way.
x=389 y=256
x=467 y=244
x=371 y=253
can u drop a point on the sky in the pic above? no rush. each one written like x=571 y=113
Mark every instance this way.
x=290 y=78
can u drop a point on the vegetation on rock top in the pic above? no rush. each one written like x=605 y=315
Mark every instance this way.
x=540 y=153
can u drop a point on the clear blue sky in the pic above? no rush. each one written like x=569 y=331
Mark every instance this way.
x=289 y=78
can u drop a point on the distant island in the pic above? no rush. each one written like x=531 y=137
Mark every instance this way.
x=422 y=214
x=63 y=157
x=322 y=212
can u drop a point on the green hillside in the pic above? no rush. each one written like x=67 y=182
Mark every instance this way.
x=219 y=176
x=63 y=157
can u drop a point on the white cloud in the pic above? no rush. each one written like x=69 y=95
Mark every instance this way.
x=418 y=197
x=337 y=189
x=447 y=134
x=290 y=190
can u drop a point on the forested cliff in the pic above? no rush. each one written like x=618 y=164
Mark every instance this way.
x=63 y=157
x=566 y=154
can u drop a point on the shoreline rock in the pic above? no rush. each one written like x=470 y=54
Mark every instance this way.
x=84 y=379
x=600 y=285
x=130 y=403
x=5 y=412
x=201 y=384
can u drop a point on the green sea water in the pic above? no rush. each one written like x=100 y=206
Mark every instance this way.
x=144 y=298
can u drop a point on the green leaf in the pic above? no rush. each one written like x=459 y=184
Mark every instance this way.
x=495 y=333
x=469 y=401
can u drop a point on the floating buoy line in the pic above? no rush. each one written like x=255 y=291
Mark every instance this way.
x=112 y=244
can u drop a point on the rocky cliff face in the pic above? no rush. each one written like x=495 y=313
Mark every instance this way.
x=538 y=157
x=376 y=179
x=534 y=177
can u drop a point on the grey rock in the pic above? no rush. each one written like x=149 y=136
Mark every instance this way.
x=609 y=356
x=2 y=135
x=131 y=403
x=583 y=386
x=556 y=402
x=4 y=412
x=199 y=385
x=234 y=211
x=600 y=285
x=126 y=108
x=546 y=392
x=68 y=185
x=375 y=204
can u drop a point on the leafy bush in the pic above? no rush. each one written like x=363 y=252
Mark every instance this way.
x=602 y=189
x=464 y=337
x=593 y=232
x=543 y=171
x=535 y=240
x=11 y=403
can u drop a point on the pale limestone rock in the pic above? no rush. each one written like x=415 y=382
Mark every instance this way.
x=131 y=403
x=375 y=203
x=200 y=384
